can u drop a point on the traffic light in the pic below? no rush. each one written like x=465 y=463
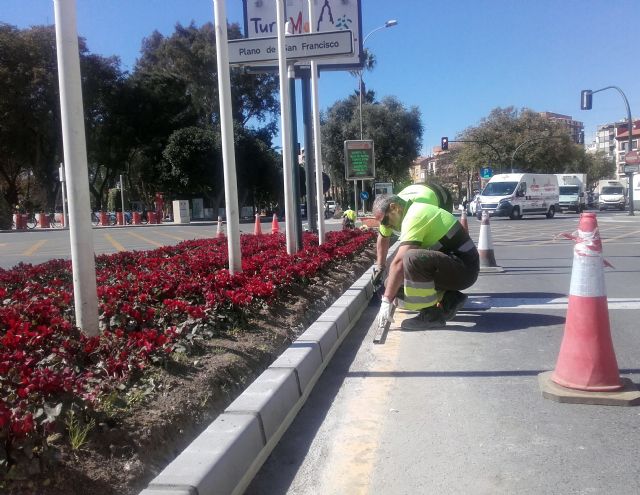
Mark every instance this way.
x=581 y=137
x=444 y=143
x=586 y=99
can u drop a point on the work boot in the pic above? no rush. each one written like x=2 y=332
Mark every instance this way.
x=452 y=302
x=432 y=317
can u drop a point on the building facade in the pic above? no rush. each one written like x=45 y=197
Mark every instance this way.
x=575 y=128
x=622 y=144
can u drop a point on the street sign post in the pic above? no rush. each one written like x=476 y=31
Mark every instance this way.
x=486 y=172
x=326 y=16
x=298 y=47
x=359 y=159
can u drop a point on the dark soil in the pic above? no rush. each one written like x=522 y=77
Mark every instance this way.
x=123 y=455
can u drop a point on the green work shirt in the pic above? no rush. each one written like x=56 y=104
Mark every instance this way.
x=413 y=193
x=350 y=214
x=424 y=224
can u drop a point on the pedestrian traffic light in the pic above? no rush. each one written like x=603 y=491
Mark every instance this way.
x=586 y=99
x=444 y=143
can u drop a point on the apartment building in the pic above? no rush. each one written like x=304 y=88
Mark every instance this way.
x=622 y=144
x=575 y=128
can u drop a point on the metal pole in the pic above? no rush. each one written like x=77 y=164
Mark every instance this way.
x=295 y=169
x=285 y=126
x=315 y=107
x=360 y=99
x=75 y=153
x=308 y=157
x=124 y=219
x=63 y=187
x=630 y=140
x=228 y=150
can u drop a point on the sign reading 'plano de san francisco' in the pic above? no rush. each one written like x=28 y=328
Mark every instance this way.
x=301 y=46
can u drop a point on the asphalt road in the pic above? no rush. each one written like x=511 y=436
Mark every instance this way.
x=458 y=410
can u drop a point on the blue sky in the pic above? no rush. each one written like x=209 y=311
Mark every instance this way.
x=454 y=60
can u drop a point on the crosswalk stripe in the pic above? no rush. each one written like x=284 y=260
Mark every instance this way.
x=484 y=303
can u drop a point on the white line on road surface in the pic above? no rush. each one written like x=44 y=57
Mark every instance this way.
x=541 y=303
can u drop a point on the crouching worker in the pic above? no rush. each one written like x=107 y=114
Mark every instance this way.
x=435 y=260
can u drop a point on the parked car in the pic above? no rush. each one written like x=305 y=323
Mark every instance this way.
x=330 y=208
x=472 y=205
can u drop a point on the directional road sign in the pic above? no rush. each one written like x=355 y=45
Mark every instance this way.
x=486 y=172
x=299 y=47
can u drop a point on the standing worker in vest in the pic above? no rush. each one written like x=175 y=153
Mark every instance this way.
x=436 y=259
x=433 y=194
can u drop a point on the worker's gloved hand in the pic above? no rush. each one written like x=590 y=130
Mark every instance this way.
x=385 y=314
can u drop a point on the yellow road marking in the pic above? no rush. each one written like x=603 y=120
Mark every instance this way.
x=142 y=238
x=171 y=236
x=195 y=233
x=114 y=243
x=32 y=250
x=352 y=458
x=620 y=236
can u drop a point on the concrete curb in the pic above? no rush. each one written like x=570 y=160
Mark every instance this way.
x=224 y=458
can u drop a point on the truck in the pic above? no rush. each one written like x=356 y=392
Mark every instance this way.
x=572 y=196
x=515 y=195
x=612 y=194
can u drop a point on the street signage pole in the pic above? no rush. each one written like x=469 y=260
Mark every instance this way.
x=317 y=151
x=85 y=292
x=228 y=151
x=285 y=126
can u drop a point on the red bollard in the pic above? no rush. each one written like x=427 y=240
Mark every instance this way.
x=136 y=218
x=20 y=220
x=43 y=220
x=104 y=219
x=151 y=217
x=119 y=218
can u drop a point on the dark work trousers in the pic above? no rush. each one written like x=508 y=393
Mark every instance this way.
x=446 y=271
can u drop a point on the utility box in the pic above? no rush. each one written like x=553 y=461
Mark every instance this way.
x=181 y=211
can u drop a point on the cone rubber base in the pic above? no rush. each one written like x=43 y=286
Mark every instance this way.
x=628 y=395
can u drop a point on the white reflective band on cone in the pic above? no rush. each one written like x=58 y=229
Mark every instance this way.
x=587 y=276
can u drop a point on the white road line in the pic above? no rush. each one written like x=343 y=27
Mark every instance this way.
x=480 y=302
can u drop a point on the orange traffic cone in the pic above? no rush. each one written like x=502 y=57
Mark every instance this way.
x=587 y=369
x=485 y=247
x=219 y=231
x=275 y=226
x=463 y=220
x=257 y=230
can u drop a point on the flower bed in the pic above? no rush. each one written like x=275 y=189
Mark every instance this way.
x=151 y=304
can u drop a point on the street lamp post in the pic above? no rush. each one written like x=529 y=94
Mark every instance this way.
x=585 y=104
x=387 y=24
x=529 y=141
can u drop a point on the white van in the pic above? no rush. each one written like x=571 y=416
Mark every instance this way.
x=515 y=195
